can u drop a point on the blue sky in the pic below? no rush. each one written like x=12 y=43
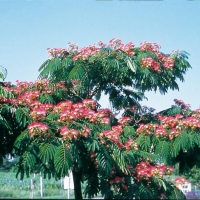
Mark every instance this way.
x=29 y=27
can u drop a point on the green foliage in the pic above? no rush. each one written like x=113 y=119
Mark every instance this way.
x=4 y=93
x=162 y=149
x=144 y=142
x=47 y=152
x=1 y=160
x=173 y=192
x=22 y=116
x=62 y=160
x=105 y=161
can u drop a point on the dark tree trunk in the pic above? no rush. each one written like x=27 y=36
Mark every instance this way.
x=77 y=184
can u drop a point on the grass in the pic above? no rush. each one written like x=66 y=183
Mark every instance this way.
x=10 y=187
x=13 y=188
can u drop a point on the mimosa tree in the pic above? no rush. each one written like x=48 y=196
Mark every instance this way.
x=63 y=128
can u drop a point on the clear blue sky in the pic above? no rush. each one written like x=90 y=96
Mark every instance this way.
x=29 y=27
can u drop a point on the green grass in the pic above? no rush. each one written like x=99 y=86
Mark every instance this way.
x=10 y=187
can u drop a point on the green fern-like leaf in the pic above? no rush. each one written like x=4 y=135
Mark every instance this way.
x=162 y=149
x=143 y=154
x=62 y=160
x=47 y=152
x=4 y=122
x=21 y=139
x=145 y=192
x=43 y=66
x=118 y=157
x=196 y=138
x=93 y=146
x=5 y=93
x=144 y=142
x=28 y=160
x=129 y=131
x=173 y=192
x=185 y=143
x=22 y=116
x=46 y=98
x=45 y=69
x=177 y=146
x=105 y=161
x=77 y=72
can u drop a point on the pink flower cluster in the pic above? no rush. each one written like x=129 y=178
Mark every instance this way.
x=148 y=62
x=117 y=46
x=39 y=110
x=92 y=50
x=180 y=180
x=181 y=104
x=124 y=120
x=68 y=133
x=146 y=46
x=69 y=111
x=37 y=128
x=56 y=52
x=118 y=180
x=73 y=133
x=27 y=93
x=144 y=170
x=190 y=122
x=114 y=134
x=170 y=126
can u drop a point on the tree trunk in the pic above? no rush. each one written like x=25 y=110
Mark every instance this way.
x=77 y=185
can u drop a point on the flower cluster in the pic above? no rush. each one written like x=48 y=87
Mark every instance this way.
x=180 y=180
x=196 y=113
x=69 y=111
x=166 y=61
x=68 y=133
x=114 y=133
x=117 y=182
x=181 y=104
x=144 y=170
x=131 y=144
x=92 y=50
x=37 y=128
x=146 y=46
x=150 y=63
x=172 y=126
x=124 y=120
x=73 y=133
x=56 y=52
x=148 y=129
x=190 y=122
x=39 y=110
x=28 y=92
